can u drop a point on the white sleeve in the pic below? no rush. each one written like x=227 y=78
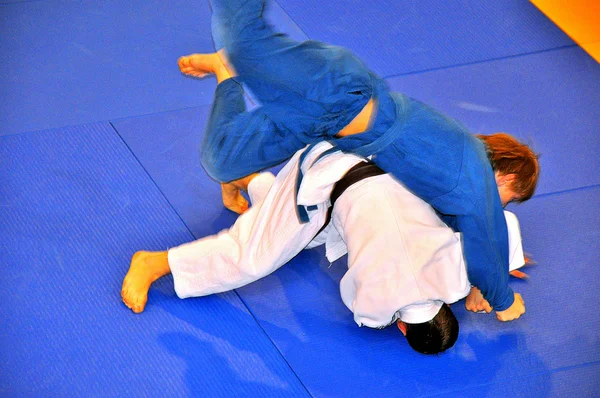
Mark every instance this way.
x=516 y=258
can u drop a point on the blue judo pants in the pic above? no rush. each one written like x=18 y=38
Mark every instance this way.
x=308 y=91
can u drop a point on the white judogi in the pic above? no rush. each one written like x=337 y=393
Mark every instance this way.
x=403 y=260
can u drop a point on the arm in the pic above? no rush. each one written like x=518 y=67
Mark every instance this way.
x=479 y=216
x=485 y=245
x=476 y=302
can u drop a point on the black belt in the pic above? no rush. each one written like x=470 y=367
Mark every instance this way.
x=357 y=173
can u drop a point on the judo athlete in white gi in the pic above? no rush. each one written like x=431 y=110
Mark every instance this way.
x=404 y=263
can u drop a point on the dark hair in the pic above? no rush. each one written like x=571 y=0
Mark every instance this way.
x=436 y=335
x=509 y=156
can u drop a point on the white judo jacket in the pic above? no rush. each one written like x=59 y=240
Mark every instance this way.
x=403 y=261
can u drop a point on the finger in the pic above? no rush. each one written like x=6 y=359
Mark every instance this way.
x=529 y=259
x=518 y=274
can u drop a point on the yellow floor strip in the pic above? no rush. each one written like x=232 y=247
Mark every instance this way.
x=580 y=19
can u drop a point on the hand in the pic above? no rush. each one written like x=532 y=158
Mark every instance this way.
x=476 y=303
x=514 y=311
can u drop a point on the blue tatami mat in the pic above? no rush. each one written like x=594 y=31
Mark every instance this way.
x=77 y=202
x=408 y=36
x=550 y=100
x=578 y=381
x=167 y=145
x=73 y=62
x=75 y=205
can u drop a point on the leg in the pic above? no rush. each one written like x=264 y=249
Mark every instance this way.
x=200 y=65
x=268 y=61
x=236 y=142
x=261 y=240
x=230 y=17
x=145 y=268
x=296 y=83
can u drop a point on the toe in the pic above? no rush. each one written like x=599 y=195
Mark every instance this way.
x=139 y=306
x=183 y=61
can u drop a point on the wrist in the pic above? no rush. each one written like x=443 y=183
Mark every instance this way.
x=506 y=302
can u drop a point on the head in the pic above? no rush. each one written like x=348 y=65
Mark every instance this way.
x=515 y=165
x=434 y=336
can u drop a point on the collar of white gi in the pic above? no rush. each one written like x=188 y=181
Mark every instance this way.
x=420 y=312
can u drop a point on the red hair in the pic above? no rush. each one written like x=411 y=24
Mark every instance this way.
x=510 y=156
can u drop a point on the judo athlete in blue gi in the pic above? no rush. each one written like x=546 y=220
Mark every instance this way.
x=310 y=91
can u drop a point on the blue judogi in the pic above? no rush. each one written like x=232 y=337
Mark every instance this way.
x=309 y=91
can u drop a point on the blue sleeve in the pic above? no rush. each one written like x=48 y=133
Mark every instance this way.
x=237 y=142
x=479 y=216
x=484 y=242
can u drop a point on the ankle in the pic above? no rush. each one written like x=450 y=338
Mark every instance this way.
x=229 y=188
x=159 y=263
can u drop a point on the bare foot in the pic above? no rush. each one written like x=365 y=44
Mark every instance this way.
x=145 y=268
x=233 y=199
x=200 y=65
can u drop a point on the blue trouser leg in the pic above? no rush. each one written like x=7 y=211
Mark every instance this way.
x=268 y=61
x=252 y=46
x=230 y=18
x=308 y=91
x=236 y=142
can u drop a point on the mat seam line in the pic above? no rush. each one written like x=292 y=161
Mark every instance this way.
x=152 y=179
x=583 y=188
x=274 y=345
x=482 y=61
x=116 y=118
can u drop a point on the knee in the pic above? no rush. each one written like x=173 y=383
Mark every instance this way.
x=214 y=166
